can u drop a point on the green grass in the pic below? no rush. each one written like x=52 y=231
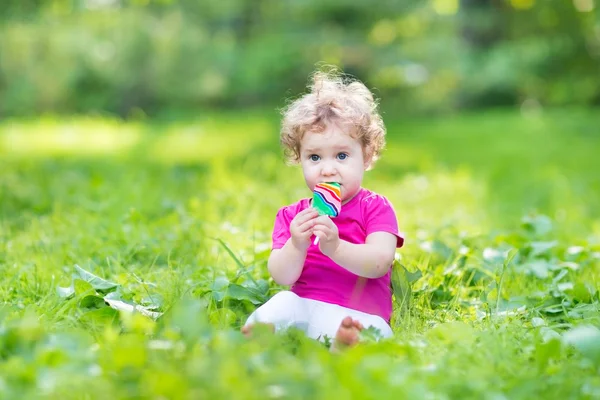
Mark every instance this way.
x=496 y=288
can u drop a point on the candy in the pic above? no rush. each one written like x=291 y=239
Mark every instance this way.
x=327 y=199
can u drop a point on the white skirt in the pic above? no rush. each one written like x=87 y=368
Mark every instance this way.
x=316 y=319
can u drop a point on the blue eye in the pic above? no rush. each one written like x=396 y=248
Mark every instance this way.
x=314 y=157
x=342 y=156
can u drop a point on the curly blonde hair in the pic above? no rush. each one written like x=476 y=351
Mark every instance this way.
x=333 y=98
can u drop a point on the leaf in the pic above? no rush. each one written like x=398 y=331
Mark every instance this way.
x=238 y=292
x=116 y=295
x=537 y=321
x=100 y=316
x=511 y=306
x=97 y=283
x=152 y=302
x=566 y=265
x=82 y=287
x=564 y=286
x=554 y=309
x=222 y=317
x=542 y=248
x=219 y=288
x=189 y=318
x=412 y=277
x=220 y=283
x=401 y=285
x=538 y=225
x=260 y=286
x=550 y=347
x=115 y=300
x=494 y=255
x=92 y=301
x=586 y=311
x=65 y=292
x=586 y=339
x=452 y=332
x=123 y=306
x=538 y=268
x=583 y=292
x=370 y=335
x=549 y=334
x=254 y=291
x=561 y=274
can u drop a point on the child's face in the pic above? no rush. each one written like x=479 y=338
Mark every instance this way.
x=333 y=156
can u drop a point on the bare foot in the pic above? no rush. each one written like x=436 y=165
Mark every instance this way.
x=248 y=329
x=347 y=334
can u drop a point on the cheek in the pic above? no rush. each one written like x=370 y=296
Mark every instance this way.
x=309 y=173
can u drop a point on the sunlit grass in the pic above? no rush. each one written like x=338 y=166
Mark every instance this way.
x=49 y=136
x=169 y=209
x=178 y=142
x=211 y=140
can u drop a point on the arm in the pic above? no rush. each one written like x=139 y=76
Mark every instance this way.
x=370 y=260
x=285 y=264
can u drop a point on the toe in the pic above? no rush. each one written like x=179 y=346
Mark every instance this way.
x=347 y=322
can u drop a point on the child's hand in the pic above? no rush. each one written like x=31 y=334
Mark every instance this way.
x=301 y=228
x=328 y=234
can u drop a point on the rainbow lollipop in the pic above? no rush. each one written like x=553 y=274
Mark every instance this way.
x=327 y=199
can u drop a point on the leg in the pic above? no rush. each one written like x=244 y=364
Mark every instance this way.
x=282 y=311
x=349 y=332
x=347 y=335
x=343 y=324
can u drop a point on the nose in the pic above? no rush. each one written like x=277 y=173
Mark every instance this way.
x=328 y=169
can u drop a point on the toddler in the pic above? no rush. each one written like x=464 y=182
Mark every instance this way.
x=341 y=284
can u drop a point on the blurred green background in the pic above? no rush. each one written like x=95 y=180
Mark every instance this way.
x=504 y=92
x=153 y=57
x=139 y=141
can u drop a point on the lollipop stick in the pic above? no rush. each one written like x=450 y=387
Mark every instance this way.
x=316 y=240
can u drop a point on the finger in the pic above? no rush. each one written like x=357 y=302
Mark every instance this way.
x=323 y=228
x=303 y=216
x=302 y=234
x=321 y=234
x=306 y=225
x=309 y=210
x=319 y=237
x=305 y=236
x=325 y=220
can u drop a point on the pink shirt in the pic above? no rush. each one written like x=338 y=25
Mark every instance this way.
x=324 y=280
